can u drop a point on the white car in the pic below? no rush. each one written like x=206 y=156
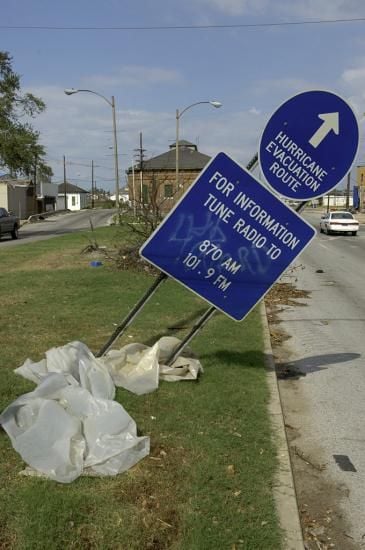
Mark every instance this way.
x=338 y=222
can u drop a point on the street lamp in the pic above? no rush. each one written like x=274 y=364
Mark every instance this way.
x=215 y=104
x=111 y=103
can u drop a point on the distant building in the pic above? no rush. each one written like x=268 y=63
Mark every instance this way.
x=123 y=196
x=337 y=201
x=156 y=182
x=360 y=180
x=46 y=196
x=24 y=199
x=76 y=198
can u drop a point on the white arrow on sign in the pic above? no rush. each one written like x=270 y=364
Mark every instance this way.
x=330 y=122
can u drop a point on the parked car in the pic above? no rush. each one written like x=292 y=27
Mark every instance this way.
x=338 y=222
x=9 y=224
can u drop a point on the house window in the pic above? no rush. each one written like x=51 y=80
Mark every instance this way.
x=168 y=191
x=73 y=201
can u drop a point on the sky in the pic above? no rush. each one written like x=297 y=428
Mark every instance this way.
x=156 y=56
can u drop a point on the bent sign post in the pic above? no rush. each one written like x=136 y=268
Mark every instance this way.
x=228 y=239
x=309 y=145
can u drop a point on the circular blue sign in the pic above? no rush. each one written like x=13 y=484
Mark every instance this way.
x=309 y=145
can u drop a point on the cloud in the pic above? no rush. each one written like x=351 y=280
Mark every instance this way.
x=136 y=76
x=281 y=89
x=313 y=9
x=235 y=7
x=355 y=77
x=254 y=111
x=353 y=80
x=80 y=128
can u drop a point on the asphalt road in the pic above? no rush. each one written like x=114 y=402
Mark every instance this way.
x=59 y=224
x=325 y=403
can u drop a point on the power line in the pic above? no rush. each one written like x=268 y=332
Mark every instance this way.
x=183 y=27
x=72 y=163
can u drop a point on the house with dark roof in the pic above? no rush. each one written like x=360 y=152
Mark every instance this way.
x=72 y=197
x=155 y=181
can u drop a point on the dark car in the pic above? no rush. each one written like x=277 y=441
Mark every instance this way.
x=9 y=224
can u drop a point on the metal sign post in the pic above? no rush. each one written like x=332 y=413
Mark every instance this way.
x=196 y=328
x=132 y=314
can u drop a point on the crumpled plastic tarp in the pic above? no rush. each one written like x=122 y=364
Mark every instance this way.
x=76 y=360
x=138 y=368
x=60 y=429
x=70 y=425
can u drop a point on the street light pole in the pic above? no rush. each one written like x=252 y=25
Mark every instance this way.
x=116 y=168
x=177 y=151
x=178 y=115
x=65 y=181
x=71 y=91
x=92 y=184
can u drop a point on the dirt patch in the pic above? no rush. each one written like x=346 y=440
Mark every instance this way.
x=7 y=537
x=284 y=294
x=281 y=295
x=323 y=524
x=127 y=258
x=322 y=521
x=11 y=301
x=42 y=263
x=52 y=261
x=151 y=492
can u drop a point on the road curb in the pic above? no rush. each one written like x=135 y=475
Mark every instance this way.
x=284 y=489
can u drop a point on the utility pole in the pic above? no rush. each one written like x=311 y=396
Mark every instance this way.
x=116 y=167
x=141 y=151
x=141 y=156
x=348 y=191
x=35 y=185
x=64 y=180
x=134 y=190
x=92 y=184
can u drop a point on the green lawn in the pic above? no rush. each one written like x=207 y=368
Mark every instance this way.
x=207 y=483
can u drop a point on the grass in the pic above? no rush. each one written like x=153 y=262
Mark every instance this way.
x=207 y=483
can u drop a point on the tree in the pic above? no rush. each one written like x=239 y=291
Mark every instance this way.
x=20 y=149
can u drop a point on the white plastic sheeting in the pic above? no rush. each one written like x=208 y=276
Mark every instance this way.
x=139 y=368
x=70 y=425
x=60 y=429
x=75 y=360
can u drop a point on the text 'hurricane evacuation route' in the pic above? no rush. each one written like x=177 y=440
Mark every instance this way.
x=309 y=145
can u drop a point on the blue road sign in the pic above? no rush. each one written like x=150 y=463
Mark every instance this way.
x=309 y=145
x=228 y=239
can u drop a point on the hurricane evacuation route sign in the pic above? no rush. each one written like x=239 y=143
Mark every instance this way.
x=309 y=145
x=228 y=239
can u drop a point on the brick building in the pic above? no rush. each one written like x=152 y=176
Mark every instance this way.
x=156 y=182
